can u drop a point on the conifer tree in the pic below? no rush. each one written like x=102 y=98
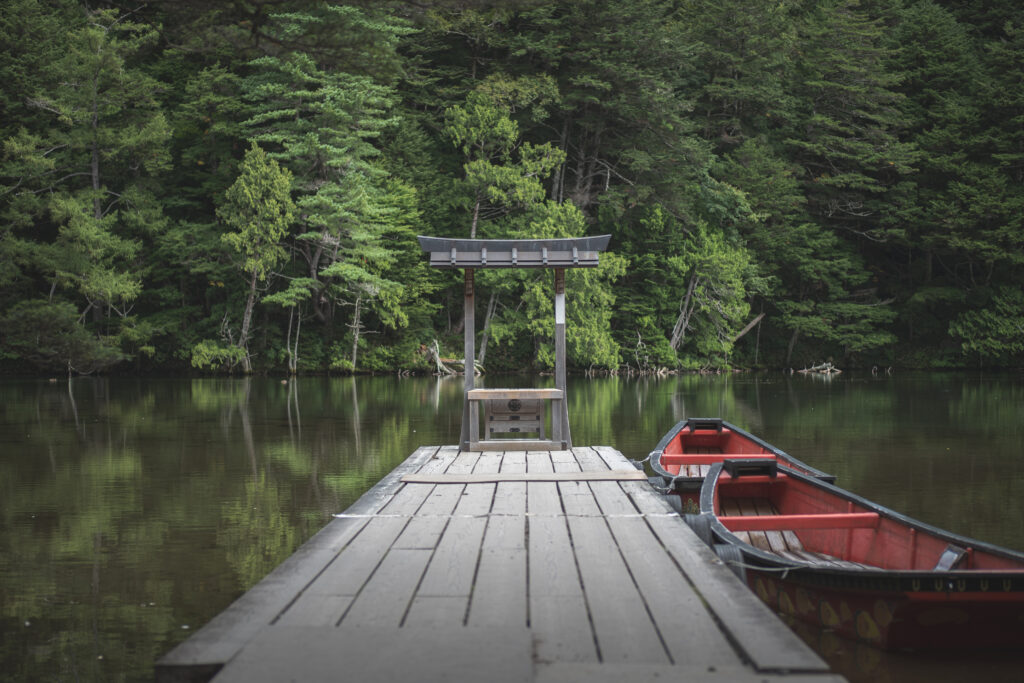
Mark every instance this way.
x=259 y=207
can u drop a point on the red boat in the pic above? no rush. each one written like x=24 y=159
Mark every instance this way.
x=824 y=555
x=685 y=454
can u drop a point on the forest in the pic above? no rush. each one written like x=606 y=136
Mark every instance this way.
x=194 y=186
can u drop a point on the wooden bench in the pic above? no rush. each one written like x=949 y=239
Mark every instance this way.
x=512 y=411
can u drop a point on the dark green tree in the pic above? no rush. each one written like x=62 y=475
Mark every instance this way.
x=80 y=191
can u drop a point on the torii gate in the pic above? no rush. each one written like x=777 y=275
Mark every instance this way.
x=558 y=254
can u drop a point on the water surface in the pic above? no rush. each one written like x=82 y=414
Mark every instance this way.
x=133 y=510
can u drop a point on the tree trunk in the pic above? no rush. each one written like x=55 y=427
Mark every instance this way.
x=97 y=207
x=491 y=305
x=685 y=311
x=476 y=219
x=356 y=325
x=314 y=274
x=558 y=179
x=748 y=328
x=757 y=344
x=288 y=339
x=295 y=351
x=243 y=338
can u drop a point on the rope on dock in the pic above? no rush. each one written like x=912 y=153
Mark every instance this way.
x=634 y=515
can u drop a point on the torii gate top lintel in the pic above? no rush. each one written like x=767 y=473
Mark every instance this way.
x=572 y=252
x=557 y=254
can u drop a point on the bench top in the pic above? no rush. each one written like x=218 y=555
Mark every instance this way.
x=508 y=394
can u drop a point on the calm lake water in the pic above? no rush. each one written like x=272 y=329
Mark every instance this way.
x=134 y=510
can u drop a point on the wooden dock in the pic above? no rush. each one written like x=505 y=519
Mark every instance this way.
x=508 y=566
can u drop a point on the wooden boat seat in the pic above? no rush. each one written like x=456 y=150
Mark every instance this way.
x=692 y=469
x=696 y=462
x=784 y=543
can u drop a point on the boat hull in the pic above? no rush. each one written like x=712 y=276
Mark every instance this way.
x=968 y=620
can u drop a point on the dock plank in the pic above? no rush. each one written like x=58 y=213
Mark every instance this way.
x=499 y=591
x=510 y=496
x=686 y=627
x=478 y=498
x=750 y=625
x=559 y=616
x=315 y=609
x=443 y=595
x=623 y=628
x=453 y=564
x=577 y=496
x=436 y=612
x=384 y=600
x=561 y=630
x=541 y=497
x=357 y=562
x=754 y=628
x=561 y=672
x=377 y=655
x=425 y=529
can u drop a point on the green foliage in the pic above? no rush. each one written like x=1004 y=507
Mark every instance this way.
x=502 y=172
x=996 y=330
x=211 y=355
x=260 y=209
x=850 y=170
x=49 y=336
x=713 y=307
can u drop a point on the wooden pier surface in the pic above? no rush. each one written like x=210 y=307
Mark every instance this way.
x=564 y=568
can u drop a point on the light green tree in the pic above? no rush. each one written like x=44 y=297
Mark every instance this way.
x=259 y=207
x=590 y=297
x=713 y=306
x=502 y=171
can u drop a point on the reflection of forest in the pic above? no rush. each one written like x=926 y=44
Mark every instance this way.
x=133 y=509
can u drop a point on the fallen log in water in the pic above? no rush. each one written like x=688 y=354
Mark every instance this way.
x=825 y=368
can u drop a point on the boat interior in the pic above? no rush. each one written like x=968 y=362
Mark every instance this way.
x=701 y=444
x=799 y=519
x=782 y=542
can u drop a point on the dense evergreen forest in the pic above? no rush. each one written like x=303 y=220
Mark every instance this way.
x=238 y=184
